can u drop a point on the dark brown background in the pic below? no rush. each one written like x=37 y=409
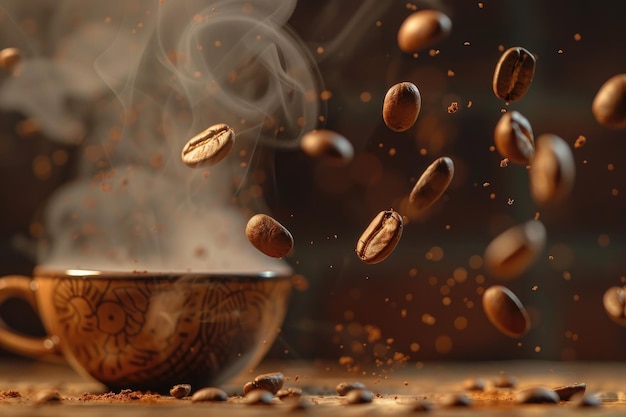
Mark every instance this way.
x=327 y=208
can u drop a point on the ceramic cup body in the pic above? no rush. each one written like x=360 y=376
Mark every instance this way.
x=150 y=331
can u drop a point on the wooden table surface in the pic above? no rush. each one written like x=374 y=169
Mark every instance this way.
x=395 y=390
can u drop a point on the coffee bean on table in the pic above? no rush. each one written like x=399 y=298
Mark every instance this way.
x=614 y=301
x=401 y=106
x=586 y=400
x=514 y=138
x=566 y=392
x=505 y=311
x=504 y=380
x=259 y=397
x=552 y=170
x=537 y=395
x=474 y=384
x=344 y=388
x=609 y=104
x=269 y=236
x=433 y=182
x=46 y=397
x=514 y=73
x=380 y=238
x=271 y=382
x=510 y=253
x=328 y=146
x=209 y=146
x=456 y=400
x=422 y=29
x=180 y=390
x=285 y=394
x=359 y=396
x=421 y=405
x=209 y=394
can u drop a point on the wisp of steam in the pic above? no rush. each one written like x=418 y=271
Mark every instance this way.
x=128 y=83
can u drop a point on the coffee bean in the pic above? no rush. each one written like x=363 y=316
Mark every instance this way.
x=46 y=397
x=421 y=406
x=259 y=397
x=432 y=183
x=327 y=145
x=180 y=391
x=211 y=394
x=614 y=301
x=359 y=396
x=401 y=106
x=456 y=400
x=301 y=404
x=514 y=73
x=380 y=238
x=474 y=384
x=552 y=170
x=505 y=381
x=514 y=138
x=422 y=29
x=285 y=394
x=344 y=388
x=209 y=146
x=505 y=311
x=537 y=395
x=271 y=382
x=586 y=400
x=566 y=392
x=510 y=253
x=9 y=58
x=269 y=236
x=609 y=104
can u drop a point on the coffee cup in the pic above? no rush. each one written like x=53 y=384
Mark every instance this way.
x=149 y=331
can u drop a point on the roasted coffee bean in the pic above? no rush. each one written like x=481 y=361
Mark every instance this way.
x=46 y=397
x=285 y=394
x=269 y=236
x=422 y=29
x=510 y=253
x=344 y=388
x=209 y=394
x=327 y=145
x=456 y=400
x=505 y=381
x=9 y=58
x=421 y=406
x=259 y=397
x=380 y=238
x=609 y=104
x=432 y=183
x=537 y=395
x=566 y=392
x=552 y=170
x=514 y=138
x=614 y=301
x=209 y=146
x=359 y=396
x=249 y=386
x=271 y=382
x=180 y=391
x=301 y=404
x=514 y=73
x=401 y=106
x=586 y=400
x=474 y=384
x=505 y=311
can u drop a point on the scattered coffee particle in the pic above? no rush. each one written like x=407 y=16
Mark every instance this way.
x=258 y=397
x=10 y=394
x=359 y=396
x=180 y=391
x=285 y=394
x=453 y=107
x=580 y=142
x=537 y=395
x=209 y=394
x=566 y=392
x=343 y=388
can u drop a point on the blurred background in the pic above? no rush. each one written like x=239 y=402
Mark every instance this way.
x=422 y=303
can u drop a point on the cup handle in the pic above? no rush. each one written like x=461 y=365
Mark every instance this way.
x=44 y=348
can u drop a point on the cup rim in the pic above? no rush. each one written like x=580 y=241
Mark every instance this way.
x=42 y=271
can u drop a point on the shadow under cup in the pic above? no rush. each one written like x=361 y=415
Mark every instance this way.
x=149 y=331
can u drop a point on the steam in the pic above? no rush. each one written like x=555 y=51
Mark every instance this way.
x=129 y=83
